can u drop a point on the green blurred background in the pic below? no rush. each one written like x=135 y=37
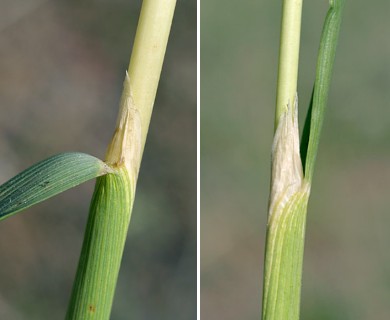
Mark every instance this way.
x=347 y=256
x=62 y=64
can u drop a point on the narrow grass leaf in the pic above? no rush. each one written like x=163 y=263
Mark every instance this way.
x=306 y=133
x=47 y=179
x=326 y=56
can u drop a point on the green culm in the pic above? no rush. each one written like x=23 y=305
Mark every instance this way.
x=293 y=162
x=113 y=198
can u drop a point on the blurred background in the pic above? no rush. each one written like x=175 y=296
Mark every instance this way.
x=347 y=259
x=62 y=64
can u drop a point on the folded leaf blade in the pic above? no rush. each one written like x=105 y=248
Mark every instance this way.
x=48 y=178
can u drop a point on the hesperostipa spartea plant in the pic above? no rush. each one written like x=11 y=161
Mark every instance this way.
x=293 y=162
x=113 y=198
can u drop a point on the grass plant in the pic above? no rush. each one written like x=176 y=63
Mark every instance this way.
x=113 y=198
x=293 y=163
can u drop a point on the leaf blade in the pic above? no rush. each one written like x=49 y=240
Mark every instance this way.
x=48 y=178
x=325 y=61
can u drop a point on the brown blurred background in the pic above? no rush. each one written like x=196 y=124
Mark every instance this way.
x=347 y=256
x=62 y=64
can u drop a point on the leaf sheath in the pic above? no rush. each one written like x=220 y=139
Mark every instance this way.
x=101 y=255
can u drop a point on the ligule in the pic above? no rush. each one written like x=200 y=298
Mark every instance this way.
x=287 y=173
x=103 y=245
x=125 y=147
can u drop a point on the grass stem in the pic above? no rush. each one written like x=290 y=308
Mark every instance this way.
x=147 y=56
x=112 y=203
x=291 y=175
x=288 y=56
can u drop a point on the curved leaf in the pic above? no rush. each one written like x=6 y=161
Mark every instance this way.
x=47 y=179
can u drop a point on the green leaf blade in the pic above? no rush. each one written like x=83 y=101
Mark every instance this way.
x=48 y=178
x=325 y=61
